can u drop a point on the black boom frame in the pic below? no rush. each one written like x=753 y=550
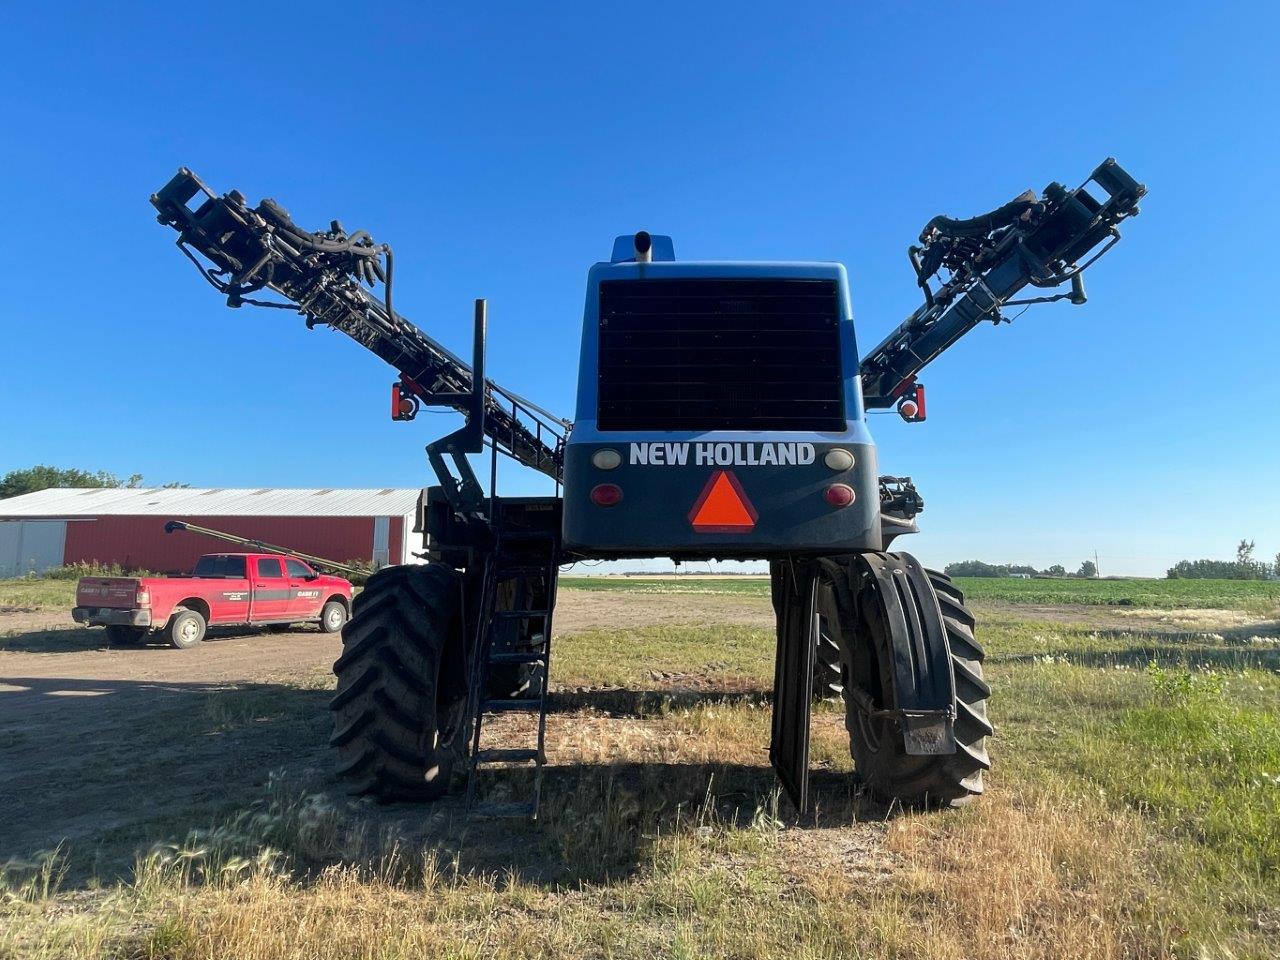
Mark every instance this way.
x=323 y=275
x=1034 y=241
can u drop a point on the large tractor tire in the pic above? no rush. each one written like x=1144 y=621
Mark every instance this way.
x=876 y=743
x=400 y=719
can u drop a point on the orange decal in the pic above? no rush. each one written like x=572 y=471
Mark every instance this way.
x=723 y=507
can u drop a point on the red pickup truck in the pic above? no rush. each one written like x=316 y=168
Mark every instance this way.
x=225 y=589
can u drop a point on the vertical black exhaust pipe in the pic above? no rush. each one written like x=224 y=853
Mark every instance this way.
x=644 y=247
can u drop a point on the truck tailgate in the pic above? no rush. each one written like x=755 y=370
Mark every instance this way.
x=112 y=592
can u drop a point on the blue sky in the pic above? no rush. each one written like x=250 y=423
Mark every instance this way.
x=500 y=148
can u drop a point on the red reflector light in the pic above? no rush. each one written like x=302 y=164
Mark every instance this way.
x=143 y=597
x=606 y=494
x=838 y=495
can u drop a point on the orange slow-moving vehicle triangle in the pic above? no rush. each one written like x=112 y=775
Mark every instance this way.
x=723 y=507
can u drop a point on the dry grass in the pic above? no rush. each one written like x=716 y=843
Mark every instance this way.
x=1045 y=876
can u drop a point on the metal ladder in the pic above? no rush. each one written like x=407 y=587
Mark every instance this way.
x=507 y=564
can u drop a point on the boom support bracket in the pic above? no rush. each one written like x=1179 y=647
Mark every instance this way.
x=461 y=488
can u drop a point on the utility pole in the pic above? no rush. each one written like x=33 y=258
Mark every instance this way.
x=1097 y=570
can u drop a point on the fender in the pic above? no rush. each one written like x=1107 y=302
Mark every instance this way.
x=894 y=590
x=793 y=584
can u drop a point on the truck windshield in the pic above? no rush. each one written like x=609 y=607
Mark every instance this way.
x=220 y=566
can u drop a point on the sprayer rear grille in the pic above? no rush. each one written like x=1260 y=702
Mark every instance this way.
x=720 y=354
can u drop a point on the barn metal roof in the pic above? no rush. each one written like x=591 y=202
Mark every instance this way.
x=216 y=502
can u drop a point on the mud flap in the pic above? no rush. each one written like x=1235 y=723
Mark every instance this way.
x=924 y=685
x=793 y=595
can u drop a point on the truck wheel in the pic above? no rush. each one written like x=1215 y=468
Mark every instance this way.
x=846 y=601
x=186 y=628
x=122 y=636
x=400 y=719
x=332 y=617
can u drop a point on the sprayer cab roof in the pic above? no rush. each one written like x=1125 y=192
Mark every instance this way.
x=657 y=251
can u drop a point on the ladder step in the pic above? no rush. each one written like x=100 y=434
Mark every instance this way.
x=521 y=614
x=531 y=656
x=513 y=705
x=505 y=756
x=496 y=810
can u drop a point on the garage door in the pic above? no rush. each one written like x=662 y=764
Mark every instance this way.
x=30 y=546
x=381 y=541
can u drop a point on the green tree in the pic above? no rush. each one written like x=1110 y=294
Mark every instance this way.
x=1057 y=570
x=1244 y=552
x=1218 y=570
x=975 y=568
x=40 y=477
x=1275 y=567
x=1087 y=569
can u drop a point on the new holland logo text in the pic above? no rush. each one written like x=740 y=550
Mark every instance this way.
x=662 y=454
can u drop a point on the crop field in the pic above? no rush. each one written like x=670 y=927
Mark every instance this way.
x=1261 y=596
x=166 y=804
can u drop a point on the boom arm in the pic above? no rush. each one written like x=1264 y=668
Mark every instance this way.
x=1042 y=241
x=341 y=568
x=323 y=276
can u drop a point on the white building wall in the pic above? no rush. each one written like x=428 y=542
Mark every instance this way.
x=31 y=546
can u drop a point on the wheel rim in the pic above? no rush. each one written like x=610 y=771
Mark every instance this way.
x=449 y=720
x=334 y=619
x=828 y=636
x=870 y=644
x=190 y=630
x=863 y=672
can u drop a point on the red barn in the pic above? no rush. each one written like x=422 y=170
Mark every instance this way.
x=50 y=528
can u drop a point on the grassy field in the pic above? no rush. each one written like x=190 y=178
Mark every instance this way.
x=1253 y=596
x=1133 y=812
x=31 y=595
x=1258 y=596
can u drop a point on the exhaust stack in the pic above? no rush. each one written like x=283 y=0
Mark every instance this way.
x=644 y=247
